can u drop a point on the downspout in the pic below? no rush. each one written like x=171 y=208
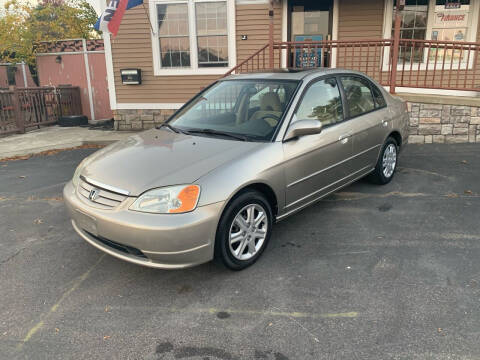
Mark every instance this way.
x=24 y=75
x=89 y=83
x=270 y=36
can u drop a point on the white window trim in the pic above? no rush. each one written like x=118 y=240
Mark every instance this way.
x=193 y=69
x=471 y=37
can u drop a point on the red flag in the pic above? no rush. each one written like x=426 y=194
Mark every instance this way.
x=114 y=24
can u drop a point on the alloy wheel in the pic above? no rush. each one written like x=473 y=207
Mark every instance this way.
x=248 y=231
x=389 y=160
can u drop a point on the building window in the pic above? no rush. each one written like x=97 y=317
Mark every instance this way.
x=450 y=21
x=414 y=20
x=211 y=20
x=192 y=36
x=442 y=20
x=413 y=26
x=173 y=35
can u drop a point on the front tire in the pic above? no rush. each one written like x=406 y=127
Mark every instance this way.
x=244 y=230
x=386 y=164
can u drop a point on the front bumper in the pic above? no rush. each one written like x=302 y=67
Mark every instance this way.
x=166 y=241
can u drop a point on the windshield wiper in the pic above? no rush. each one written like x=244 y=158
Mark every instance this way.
x=174 y=129
x=217 y=132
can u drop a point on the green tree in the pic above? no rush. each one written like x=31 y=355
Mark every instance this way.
x=24 y=25
x=12 y=33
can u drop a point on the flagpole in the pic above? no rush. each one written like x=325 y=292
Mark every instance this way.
x=148 y=17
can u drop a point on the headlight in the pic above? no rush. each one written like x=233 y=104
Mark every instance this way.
x=76 y=174
x=172 y=199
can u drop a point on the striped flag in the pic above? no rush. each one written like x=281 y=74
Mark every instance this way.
x=112 y=16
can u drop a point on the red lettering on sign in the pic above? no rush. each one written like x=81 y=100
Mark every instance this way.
x=446 y=17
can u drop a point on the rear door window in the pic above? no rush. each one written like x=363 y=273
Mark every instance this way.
x=359 y=99
x=378 y=97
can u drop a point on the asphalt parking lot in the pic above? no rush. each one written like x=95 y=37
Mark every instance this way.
x=371 y=272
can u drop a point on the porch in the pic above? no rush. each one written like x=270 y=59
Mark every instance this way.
x=405 y=63
x=411 y=66
x=431 y=47
x=409 y=44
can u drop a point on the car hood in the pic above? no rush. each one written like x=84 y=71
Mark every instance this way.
x=160 y=157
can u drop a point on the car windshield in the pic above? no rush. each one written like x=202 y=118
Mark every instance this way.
x=237 y=109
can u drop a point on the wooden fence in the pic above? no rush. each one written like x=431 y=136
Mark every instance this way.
x=23 y=109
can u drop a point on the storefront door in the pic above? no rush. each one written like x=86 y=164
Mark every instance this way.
x=309 y=21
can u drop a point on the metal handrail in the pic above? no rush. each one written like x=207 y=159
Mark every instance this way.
x=433 y=64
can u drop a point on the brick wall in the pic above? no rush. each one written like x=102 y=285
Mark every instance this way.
x=140 y=118
x=439 y=123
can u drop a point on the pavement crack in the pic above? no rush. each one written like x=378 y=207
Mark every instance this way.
x=346 y=196
x=76 y=283
x=310 y=333
x=3 y=262
x=27 y=243
x=352 y=196
x=423 y=171
x=32 y=198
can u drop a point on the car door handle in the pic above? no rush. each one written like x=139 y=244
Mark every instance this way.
x=385 y=122
x=344 y=138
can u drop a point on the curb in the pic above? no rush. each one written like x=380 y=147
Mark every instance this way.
x=56 y=148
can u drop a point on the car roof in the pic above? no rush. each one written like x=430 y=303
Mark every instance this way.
x=290 y=74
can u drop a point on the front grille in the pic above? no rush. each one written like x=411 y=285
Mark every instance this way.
x=120 y=247
x=105 y=199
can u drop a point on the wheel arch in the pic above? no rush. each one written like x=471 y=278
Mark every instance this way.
x=262 y=188
x=397 y=136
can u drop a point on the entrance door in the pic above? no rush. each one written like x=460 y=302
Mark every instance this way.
x=309 y=21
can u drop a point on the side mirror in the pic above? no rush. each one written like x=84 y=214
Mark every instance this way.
x=303 y=127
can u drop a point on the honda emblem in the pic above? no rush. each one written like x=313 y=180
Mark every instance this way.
x=93 y=194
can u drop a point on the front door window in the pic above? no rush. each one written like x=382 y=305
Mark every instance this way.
x=322 y=102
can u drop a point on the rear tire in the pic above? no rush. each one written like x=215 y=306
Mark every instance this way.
x=244 y=230
x=386 y=164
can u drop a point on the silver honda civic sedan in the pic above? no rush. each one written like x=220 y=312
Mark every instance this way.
x=246 y=152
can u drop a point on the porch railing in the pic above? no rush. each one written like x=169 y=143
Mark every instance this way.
x=420 y=63
x=26 y=108
x=438 y=65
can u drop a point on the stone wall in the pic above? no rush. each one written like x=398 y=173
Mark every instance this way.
x=140 y=119
x=429 y=123
x=437 y=123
